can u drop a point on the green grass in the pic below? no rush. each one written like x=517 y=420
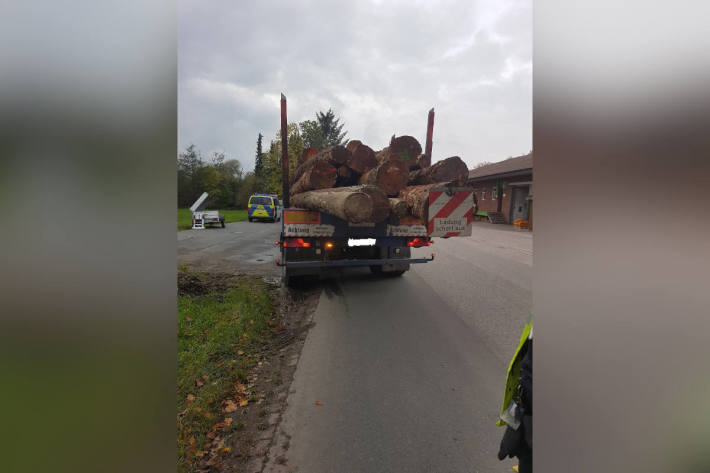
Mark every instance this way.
x=213 y=329
x=184 y=217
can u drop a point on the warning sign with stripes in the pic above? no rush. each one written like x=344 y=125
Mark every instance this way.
x=450 y=213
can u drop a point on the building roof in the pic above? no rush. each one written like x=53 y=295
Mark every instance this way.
x=510 y=165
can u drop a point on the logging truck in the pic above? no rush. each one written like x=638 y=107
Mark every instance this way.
x=315 y=242
x=348 y=206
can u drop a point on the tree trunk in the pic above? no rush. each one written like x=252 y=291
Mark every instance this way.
x=402 y=148
x=334 y=156
x=447 y=170
x=346 y=177
x=307 y=154
x=398 y=207
x=319 y=175
x=390 y=176
x=423 y=161
x=356 y=204
x=362 y=158
x=417 y=199
x=380 y=203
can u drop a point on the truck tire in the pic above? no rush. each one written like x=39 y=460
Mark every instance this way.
x=290 y=280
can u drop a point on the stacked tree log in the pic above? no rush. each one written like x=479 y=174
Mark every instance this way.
x=360 y=185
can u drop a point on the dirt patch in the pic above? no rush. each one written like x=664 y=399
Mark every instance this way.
x=197 y=284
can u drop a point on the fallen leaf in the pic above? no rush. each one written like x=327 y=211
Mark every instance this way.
x=192 y=441
x=227 y=420
x=243 y=402
x=205 y=377
x=226 y=449
x=240 y=352
x=210 y=435
x=230 y=406
x=190 y=398
x=188 y=319
x=318 y=403
x=201 y=454
x=199 y=383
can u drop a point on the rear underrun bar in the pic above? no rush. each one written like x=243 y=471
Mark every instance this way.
x=353 y=262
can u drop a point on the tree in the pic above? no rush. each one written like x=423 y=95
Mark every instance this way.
x=312 y=135
x=271 y=183
x=260 y=176
x=331 y=128
x=233 y=168
x=221 y=179
x=190 y=160
x=247 y=187
x=189 y=164
x=258 y=160
x=481 y=164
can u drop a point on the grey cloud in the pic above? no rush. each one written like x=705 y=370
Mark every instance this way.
x=379 y=65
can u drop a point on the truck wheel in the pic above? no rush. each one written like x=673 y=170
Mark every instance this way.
x=289 y=280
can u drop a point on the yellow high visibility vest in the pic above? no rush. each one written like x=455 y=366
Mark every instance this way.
x=511 y=382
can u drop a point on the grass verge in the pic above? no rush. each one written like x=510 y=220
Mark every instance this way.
x=184 y=217
x=222 y=323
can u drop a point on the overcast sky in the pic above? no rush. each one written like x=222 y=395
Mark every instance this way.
x=380 y=65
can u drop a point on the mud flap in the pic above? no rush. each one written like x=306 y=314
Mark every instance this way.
x=394 y=253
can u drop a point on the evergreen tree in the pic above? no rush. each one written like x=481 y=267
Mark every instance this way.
x=331 y=128
x=259 y=161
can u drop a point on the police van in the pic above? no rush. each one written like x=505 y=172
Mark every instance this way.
x=264 y=207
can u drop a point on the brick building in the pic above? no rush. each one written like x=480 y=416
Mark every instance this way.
x=504 y=188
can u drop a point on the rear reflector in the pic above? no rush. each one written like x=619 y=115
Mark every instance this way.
x=418 y=242
x=296 y=243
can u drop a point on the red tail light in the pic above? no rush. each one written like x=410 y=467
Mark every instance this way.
x=296 y=243
x=418 y=242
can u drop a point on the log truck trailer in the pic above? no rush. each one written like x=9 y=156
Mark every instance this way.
x=313 y=243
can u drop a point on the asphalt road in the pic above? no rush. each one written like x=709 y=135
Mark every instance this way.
x=246 y=247
x=409 y=372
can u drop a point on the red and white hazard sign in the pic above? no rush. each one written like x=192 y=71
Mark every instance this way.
x=450 y=213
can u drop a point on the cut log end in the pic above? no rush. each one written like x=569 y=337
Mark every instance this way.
x=390 y=176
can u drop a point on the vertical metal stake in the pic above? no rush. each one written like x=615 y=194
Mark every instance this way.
x=429 y=135
x=284 y=153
